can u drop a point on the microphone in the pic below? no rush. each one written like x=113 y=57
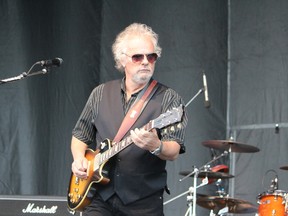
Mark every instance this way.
x=206 y=102
x=56 y=62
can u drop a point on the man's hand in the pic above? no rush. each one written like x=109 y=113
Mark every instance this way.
x=147 y=140
x=79 y=167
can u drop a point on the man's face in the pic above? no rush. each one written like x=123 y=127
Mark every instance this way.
x=139 y=69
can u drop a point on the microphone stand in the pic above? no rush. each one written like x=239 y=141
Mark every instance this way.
x=195 y=96
x=25 y=74
x=192 y=207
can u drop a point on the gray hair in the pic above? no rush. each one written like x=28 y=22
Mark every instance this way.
x=120 y=45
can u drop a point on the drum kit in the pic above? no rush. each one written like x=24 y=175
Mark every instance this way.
x=270 y=203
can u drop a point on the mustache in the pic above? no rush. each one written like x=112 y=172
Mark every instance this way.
x=144 y=69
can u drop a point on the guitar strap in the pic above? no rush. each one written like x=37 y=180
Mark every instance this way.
x=135 y=111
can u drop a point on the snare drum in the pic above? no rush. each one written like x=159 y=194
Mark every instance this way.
x=273 y=203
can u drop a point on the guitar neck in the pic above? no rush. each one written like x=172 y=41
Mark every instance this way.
x=119 y=146
x=165 y=119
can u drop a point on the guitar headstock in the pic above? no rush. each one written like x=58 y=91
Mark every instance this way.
x=168 y=118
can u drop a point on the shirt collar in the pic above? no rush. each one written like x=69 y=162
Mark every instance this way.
x=123 y=87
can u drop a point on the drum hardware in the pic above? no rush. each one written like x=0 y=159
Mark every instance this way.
x=206 y=165
x=274 y=182
x=187 y=192
x=192 y=192
x=231 y=146
x=195 y=174
x=273 y=201
x=220 y=189
x=191 y=196
x=207 y=178
x=209 y=174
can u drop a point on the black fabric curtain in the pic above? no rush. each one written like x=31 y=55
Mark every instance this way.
x=37 y=113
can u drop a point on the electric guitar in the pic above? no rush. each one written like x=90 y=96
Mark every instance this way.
x=79 y=188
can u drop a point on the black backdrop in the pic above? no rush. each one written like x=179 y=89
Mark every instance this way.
x=240 y=45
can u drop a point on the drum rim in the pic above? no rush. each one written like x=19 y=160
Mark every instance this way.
x=281 y=193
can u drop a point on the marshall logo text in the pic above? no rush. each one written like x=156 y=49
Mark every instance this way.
x=39 y=210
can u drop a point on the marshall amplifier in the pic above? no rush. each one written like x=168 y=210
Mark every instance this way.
x=34 y=205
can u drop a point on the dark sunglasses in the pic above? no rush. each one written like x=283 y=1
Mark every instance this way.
x=138 y=58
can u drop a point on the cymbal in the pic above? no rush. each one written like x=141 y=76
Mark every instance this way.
x=284 y=167
x=231 y=146
x=208 y=174
x=217 y=203
x=199 y=195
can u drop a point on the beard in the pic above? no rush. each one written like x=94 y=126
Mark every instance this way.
x=142 y=77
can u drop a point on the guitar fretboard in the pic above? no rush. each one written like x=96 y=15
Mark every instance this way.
x=117 y=147
x=162 y=121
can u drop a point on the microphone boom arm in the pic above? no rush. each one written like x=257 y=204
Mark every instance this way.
x=22 y=76
x=47 y=64
x=195 y=96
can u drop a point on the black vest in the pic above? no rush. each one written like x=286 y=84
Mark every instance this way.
x=135 y=173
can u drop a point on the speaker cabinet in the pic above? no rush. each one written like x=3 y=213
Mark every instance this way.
x=34 y=206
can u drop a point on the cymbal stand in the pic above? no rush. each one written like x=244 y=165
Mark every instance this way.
x=204 y=182
x=192 y=207
x=191 y=199
x=204 y=166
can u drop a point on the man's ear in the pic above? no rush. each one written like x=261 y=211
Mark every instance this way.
x=123 y=62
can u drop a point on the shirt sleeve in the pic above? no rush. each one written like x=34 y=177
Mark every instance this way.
x=85 y=129
x=176 y=131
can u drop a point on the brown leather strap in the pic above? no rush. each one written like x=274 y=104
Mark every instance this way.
x=134 y=113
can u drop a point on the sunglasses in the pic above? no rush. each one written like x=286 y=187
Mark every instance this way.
x=138 y=58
